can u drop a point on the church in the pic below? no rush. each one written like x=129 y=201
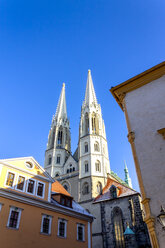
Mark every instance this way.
x=86 y=175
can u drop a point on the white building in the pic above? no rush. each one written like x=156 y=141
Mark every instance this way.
x=142 y=99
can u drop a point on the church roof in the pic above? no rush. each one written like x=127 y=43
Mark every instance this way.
x=90 y=95
x=58 y=188
x=61 y=111
x=123 y=190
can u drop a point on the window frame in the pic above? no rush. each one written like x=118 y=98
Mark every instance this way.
x=15 y=174
x=34 y=189
x=65 y=228
x=83 y=232
x=19 y=210
x=20 y=175
x=50 y=224
x=43 y=192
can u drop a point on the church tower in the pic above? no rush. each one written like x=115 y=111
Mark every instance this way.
x=92 y=147
x=58 y=146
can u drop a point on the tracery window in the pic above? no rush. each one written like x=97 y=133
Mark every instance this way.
x=94 y=124
x=118 y=227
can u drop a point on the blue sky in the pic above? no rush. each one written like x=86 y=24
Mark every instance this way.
x=45 y=43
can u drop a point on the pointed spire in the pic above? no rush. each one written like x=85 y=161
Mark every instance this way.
x=90 y=95
x=61 y=107
x=127 y=178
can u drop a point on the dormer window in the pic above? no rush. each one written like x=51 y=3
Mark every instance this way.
x=40 y=189
x=113 y=191
x=30 y=187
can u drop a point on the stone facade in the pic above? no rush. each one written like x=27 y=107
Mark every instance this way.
x=144 y=106
x=84 y=174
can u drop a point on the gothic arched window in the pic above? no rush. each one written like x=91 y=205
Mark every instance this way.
x=113 y=192
x=94 y=124
x=96 y=147
x=98 y=166
x=117 y=220
x=59 y=141
x=85 y=189
x=49 y=159
x=99 y=187
x=86 y=166
x=85 y=147
x=58 y=159
x=86 y=123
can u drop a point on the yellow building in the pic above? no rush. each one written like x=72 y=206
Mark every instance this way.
x=32 y=216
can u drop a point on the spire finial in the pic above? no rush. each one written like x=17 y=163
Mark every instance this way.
x=61 y=107
x=127 y=178
x=90 y=95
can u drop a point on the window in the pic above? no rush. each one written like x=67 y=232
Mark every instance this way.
x=80 y=232
x=62 y=228
x=94 y=124
x=97 y=166
x=96 y=147
x=29 y=165
x=65 y=187
x=57 y=175
x=113 y=192
x=14 y=217
x=40 y=189
x=70 y=169
x=49 y=160
x=73 y=169
x=99 y=187
x=86 y=124
x=30 y=187
x=85 y=190
x=86 y=166
x=21 y=183
x=118 y=227
x=10 y=179
x=46 y=224
x=58 y=159
x=67 y=170
x=86 y=147
x=59 y=138
x=1 y=206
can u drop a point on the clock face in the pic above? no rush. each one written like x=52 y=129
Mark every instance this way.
x=29 y=165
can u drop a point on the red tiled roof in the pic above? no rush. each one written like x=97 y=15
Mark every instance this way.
x=58 y=188
x=122 y=190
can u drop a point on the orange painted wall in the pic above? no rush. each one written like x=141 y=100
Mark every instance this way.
x=29 y=236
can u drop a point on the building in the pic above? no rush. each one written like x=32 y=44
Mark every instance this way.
x=83 y=174
x=120 y=206
x=35 y=211
x=142 y=100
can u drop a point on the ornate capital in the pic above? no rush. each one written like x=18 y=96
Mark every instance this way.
x=131 y=137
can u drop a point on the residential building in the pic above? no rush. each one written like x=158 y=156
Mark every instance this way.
x=142 y=99
x=35 y=211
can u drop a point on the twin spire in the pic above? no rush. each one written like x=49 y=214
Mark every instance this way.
x=61 y=111
x=90 y=97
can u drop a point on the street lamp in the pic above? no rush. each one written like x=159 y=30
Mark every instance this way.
x=161 y=217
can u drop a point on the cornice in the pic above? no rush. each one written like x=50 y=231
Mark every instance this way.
x=136 y=82
x=43 y=204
